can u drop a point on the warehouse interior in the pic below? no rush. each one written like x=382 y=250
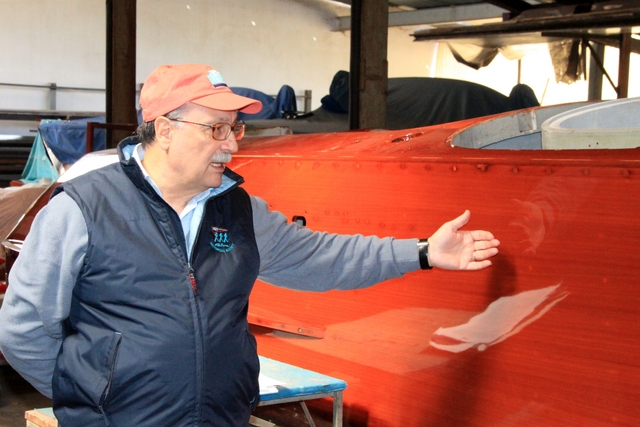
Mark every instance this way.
x=86 y=59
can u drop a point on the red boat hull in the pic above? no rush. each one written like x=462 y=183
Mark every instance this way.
x=568 y=218
x=562 y=294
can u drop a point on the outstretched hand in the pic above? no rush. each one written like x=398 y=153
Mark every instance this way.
x=454 y=249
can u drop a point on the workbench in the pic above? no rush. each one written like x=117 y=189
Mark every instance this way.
x=296 y=385
x=300 y=385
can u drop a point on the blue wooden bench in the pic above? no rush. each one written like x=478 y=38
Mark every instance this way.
x=298 y=385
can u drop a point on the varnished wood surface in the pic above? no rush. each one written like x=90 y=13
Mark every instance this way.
x=567 y=220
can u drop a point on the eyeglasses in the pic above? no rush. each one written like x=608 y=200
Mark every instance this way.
x=221 y=131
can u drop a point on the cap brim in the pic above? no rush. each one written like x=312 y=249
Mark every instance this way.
x=228 y=101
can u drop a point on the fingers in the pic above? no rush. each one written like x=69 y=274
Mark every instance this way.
x=479 y=245
x=479 y=258
x=482 y=250
x=479 y=265
x=483 y=254
x=480 y=235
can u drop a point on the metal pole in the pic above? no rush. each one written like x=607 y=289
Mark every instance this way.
x=53 y=96
x=307 y=101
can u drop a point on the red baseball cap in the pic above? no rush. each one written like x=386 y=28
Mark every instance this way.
x=171 y=86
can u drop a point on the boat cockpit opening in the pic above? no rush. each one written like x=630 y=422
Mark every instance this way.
x=587 y=125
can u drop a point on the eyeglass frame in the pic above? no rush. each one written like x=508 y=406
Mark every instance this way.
x=215 y=126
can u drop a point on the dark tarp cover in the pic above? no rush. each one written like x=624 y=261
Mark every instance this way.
x=411 y=102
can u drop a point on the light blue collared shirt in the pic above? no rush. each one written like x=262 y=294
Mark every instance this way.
x=191 y=215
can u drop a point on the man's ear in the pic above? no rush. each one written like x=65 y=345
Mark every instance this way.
x=164 y=130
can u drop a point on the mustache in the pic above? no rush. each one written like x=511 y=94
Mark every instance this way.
x=221 y=158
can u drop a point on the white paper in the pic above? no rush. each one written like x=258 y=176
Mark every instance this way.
x=268 y=385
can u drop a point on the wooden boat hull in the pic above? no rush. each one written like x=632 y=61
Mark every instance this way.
x=564 y=218
x=548 y=336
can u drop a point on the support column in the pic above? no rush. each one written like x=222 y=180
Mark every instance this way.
x=368 y=68
x=595 y=72
x=121 y=67
x=624 y=63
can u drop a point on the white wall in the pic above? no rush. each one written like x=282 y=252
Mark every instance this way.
x=261 y=44
x=44 y=41
x=407 y=58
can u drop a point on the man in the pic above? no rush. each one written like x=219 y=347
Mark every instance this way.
x=129 y=299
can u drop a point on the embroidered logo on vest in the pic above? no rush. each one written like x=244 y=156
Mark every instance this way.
x=221 y=241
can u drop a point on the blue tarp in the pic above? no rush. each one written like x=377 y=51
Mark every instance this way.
x=272 y=108
x=67 y=138
x=38 y=165
x=67 y=141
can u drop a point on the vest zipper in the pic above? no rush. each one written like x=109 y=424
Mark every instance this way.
x=192 y=276
x=200 y=332
x=192 y=279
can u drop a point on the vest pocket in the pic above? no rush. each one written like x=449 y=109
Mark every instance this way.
x=255 y=363
x=83 y=377
x=112 y=361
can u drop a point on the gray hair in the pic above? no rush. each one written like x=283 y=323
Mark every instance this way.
x=146 y=132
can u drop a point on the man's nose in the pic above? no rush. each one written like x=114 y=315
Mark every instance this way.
x=230 y=144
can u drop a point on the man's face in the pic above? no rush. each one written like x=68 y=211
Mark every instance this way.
x=197 y=159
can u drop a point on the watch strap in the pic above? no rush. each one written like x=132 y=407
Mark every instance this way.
x=423 y=254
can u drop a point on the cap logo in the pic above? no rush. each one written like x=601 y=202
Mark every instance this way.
x=216 y=79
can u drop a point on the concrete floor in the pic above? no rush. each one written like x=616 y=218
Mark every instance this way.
x=19 y=396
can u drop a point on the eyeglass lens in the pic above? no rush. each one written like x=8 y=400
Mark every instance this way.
x=221 y=131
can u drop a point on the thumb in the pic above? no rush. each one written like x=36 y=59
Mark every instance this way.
x=460 y=221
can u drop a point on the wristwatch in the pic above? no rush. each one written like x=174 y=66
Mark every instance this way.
x=423 y=254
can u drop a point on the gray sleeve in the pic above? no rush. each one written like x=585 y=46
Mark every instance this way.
x=298 y=258
x=39 y=294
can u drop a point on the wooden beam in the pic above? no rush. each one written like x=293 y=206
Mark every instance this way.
x=596 y=53
x=599 y=60
x=121 y=67
x=610 y=19
x=623 y=65
x=432 y=15
x=368 y=68
x=612 y=40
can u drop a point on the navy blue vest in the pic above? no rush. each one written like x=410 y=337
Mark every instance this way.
x=154 y=339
